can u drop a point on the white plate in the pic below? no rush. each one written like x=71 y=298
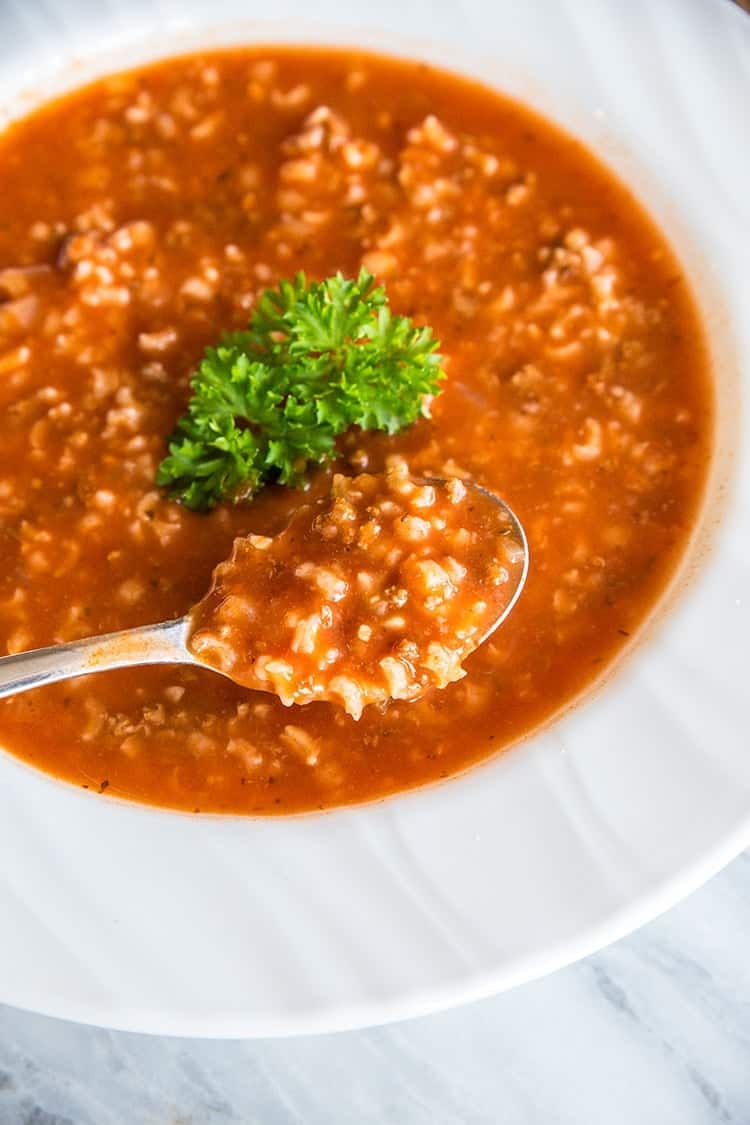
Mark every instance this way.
x=156 y=921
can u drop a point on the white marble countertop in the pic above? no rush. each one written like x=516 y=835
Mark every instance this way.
x=654 y=1030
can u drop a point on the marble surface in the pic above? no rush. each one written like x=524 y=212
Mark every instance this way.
x=654 y=1030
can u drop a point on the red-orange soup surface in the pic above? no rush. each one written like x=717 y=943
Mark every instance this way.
x=141 y=218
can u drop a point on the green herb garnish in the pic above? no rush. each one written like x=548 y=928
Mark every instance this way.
x=317 y=358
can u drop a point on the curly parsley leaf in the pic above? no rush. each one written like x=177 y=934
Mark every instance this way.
x=317 y=358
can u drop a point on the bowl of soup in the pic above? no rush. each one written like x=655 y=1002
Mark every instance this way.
x=253 y=866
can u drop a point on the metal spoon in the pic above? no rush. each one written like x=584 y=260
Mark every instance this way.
x=166 y=642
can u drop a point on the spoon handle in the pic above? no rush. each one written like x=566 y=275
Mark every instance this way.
x=165 y=643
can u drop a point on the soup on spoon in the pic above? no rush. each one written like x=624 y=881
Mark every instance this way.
x=377 y=591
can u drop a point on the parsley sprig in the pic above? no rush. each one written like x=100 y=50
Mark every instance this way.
x=317 y=358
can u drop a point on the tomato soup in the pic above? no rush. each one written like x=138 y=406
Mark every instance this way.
x=142 y=217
